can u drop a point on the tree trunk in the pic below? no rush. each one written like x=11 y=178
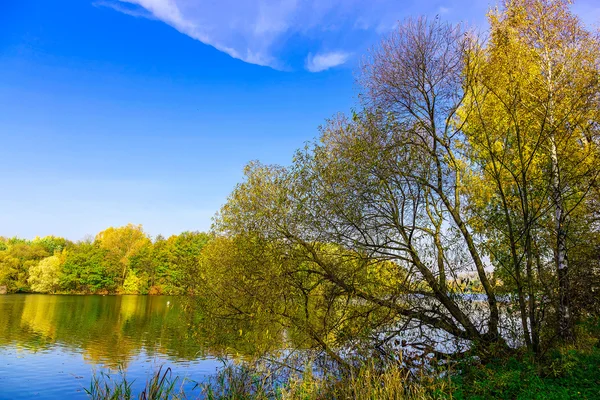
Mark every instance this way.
x=565 y=317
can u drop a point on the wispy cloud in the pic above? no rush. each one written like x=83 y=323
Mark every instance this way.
x=284 y=34
x=325 y=61
x=124 y=8
x=277 y=33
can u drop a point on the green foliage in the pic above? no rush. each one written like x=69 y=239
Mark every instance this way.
x=16 y=260
x=175 y=266
x=118 y=260
x=44 y=277
x=52 y=244
x=86 y=270
x=132 y=284
x=562 y=375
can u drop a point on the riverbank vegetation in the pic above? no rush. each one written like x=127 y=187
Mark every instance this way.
x=568 y=375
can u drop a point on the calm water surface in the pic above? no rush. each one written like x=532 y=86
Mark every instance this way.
x=51 y=344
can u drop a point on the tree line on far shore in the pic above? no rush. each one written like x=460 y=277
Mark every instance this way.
x=121 y=260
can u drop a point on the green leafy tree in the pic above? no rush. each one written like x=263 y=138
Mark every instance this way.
x=86 y=271
x=44 y=277
x=16 y=261
x=176 y=262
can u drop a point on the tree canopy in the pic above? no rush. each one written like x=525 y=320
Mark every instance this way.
x=464 y=181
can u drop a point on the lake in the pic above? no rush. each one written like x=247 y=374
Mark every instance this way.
x=50 y=345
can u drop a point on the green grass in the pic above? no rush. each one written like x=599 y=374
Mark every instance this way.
x=161 y=385
x=567 y=374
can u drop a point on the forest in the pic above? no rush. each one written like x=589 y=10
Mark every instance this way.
x=121 y=260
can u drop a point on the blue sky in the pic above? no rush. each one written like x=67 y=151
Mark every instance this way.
x=146 y=111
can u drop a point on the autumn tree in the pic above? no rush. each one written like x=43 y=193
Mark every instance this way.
x=532 y=126
x=121 y=245
x=386 y=186
x=467 y=158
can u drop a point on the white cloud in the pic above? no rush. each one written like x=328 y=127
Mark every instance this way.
x=325 y=61
x=282 y=34
x=275 y=33
x=117 y=6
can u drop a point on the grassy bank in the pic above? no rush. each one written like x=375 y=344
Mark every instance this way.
x=565 y=374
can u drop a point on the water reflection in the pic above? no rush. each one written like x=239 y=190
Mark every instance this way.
x=51 y=344
x=108 y=330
